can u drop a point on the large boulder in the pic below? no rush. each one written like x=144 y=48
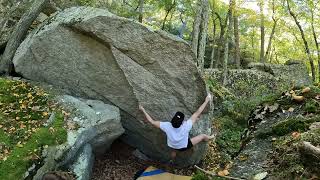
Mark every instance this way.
x=97 y=55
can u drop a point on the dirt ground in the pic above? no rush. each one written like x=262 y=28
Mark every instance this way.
x=120 y=164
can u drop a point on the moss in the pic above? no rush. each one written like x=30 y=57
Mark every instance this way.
x=311 y=106
x=23 y=111
x=22 y=157
x=293 y=124
x=312 y=136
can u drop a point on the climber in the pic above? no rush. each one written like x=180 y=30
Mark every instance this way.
x=178 y=129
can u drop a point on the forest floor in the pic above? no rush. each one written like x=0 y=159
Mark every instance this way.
x=119 y=163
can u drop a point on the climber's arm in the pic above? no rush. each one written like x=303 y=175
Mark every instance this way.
x=196 y=115
x=148 y=117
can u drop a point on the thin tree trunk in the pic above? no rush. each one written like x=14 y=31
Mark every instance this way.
x=252 y=43
x=167 y=13
x=221 y=39
x=237 y=41
x=141 y=3
x=183 y=26
x=270 y=41
x=272 y=32
x=262 y=32
x=231 y=40
x=226 y=47
x=4 y=22
x=203 y=34
x=316 y=42
x=213 y=43
x=196 y=29
x=271 y=54
x=19 y=33
x=307 y=50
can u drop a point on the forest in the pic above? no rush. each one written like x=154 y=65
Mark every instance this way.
x=102 y=89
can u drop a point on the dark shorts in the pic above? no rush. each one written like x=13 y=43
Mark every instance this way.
x=189 y=146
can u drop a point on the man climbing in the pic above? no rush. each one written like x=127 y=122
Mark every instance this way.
x=178 y=129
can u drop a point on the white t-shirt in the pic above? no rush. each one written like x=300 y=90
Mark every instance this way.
x=177 y=138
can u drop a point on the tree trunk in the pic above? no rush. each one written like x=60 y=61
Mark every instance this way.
x=203 y=34
x=213 y=43
x=196 y=28
x=231 y=32
x=306 y=46
x=4 y=22
x=237 y=41
x=270 y=41
x=183 y=26
x=316 y=42
x=141 y=3
x=19 y=33
x=221 y=39
x=266 y=57
x=226 y=48
x=167 y=13
x=261 y=4
x=252 y=43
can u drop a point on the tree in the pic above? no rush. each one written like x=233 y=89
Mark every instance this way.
x=199 y=35
x=196 y=28
x=19 y=33
x=226 y=45
x=312 y=6
x=214 y=29
x=168 y=7
x=203 y=35
x=305 y=42
x=141 y=3
x=236 y=36
x=275 y=21
x=261 y=6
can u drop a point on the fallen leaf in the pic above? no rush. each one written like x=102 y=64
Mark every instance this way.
x=45 y=113
x=29 y=95
x=260 y=176
x=223 y=173
x=19 y=145
x=305 y=90
x=243 y=157
x=295 y=135
x=291 y=109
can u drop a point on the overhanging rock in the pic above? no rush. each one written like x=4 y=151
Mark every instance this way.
x=97 y=55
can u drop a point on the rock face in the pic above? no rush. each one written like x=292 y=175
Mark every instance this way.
x=263 y=79
x=92 y=127
x=97 y=55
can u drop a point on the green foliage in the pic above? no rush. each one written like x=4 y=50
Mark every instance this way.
x=311 y=106
x=229 y=141
x=199 y=176
x=293 y=124
x=86 y=2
